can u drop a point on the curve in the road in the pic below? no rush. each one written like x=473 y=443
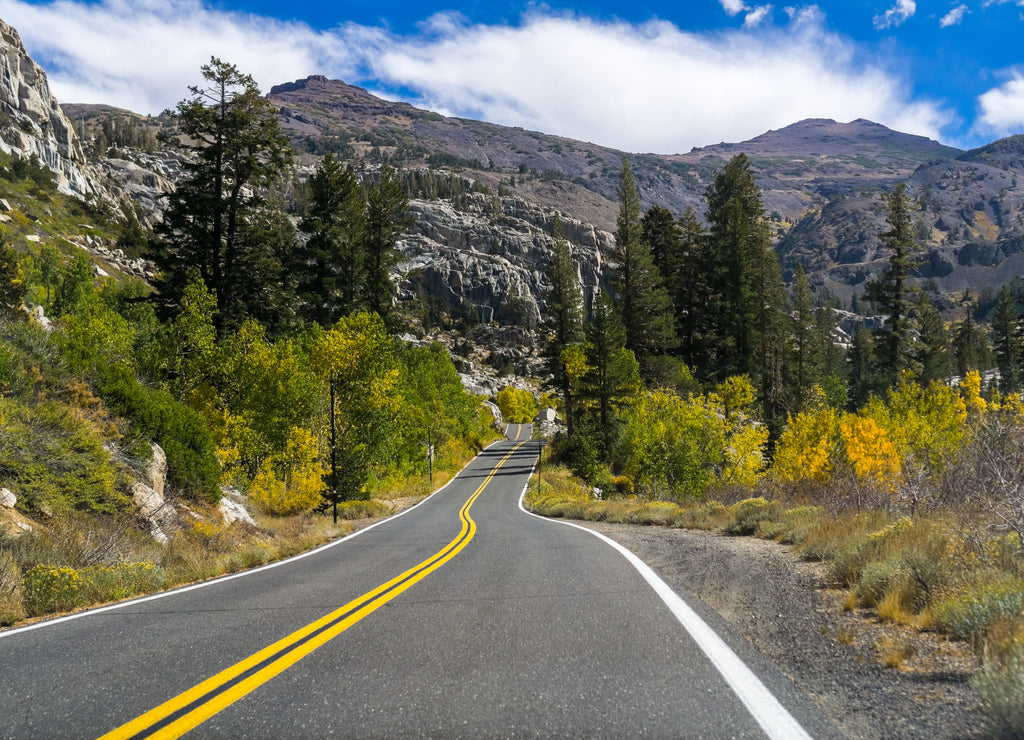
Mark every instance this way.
x=769 y=713
x=191 y=708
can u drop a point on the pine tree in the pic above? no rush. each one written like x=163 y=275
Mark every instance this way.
x=220 y=202
x=688 y=286
x=564 y=323
x=891 y=294
x=932 y=345
x=330 y=263
x=612 y=374
x=805 y=365
x=746 y=298
x=661 y=233
x=386 y=219
x=864 y=379
x=1007 y=343
x=643 y=303
x=970 y=347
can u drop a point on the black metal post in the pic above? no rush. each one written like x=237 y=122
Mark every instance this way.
x=334 y=457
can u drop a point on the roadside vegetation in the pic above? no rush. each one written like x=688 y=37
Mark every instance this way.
x=708 y=394
x=914 y=504
x=259 y=364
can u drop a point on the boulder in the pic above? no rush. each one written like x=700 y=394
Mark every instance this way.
x=7 y=499
x=232 y=508
x=148 y=496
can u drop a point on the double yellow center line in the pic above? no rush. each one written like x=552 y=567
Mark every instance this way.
x=188 y=710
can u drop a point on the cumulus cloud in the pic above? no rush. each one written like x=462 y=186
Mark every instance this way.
x=1001 y=109
x=733 y=7
x=954 y=16
x=755 y=15
x=894 y=16
x=651 y=87
x=143 y=54
x=648 y=87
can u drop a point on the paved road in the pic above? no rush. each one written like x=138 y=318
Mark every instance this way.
x=463 y=617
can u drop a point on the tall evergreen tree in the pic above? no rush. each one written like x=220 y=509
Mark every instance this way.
x=330 y=263
x=212 y=220
x=864 y=377
x=970 y=347
x=386 y=219
x=661 y=233
x=643 y=302
x=805 y=365
x=563 y=325
x=746 y=298
x=612 y=374
x=933 y=342
x=891 y=294
x=1007 y=342
x=688 y=286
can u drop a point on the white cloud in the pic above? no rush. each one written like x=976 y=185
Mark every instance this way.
x=755 y=15
x=1001 y=109
x=649 y=87
x=143 y=54
x=954 y=16
x=894 y=16
x=733 y=7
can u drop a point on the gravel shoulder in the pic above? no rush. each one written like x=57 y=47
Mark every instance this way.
x=779 y=603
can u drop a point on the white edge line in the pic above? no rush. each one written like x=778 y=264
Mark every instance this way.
x=233 y=576
x=763 y=706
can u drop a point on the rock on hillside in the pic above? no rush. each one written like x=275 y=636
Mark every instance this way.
x=31 y=121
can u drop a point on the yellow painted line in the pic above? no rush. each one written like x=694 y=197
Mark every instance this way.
x=293 y=648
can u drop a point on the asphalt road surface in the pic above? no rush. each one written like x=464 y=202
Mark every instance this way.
x=462 y=617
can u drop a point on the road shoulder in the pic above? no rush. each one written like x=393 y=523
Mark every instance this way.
x=777 y=602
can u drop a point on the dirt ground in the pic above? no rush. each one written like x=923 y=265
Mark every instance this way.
x=778 y=602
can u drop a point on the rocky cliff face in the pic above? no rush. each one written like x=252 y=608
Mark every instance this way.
x=492 y=255
x=970 y=225
x=31 y=121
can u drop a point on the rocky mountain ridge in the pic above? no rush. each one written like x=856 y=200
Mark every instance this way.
x=822 y=184
x=32 y=122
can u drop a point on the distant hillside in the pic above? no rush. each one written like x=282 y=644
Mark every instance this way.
x=822 y=182
x=800 y=166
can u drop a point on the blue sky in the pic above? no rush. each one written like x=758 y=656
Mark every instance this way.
x=643 y=76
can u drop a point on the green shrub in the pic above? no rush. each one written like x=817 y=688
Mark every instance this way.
x=49 y=590
x=54 y=461
x=363 y=509
x=877 y=579
x=708 y=516
x=747 y=515
x=192 y=466
x=793 y=526
x=970 y=613
x=660 y=513
x=1000 y=687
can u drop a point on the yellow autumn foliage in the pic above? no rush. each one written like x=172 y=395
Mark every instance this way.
x=806 y=447
x=293 y=481
x=869 y=450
